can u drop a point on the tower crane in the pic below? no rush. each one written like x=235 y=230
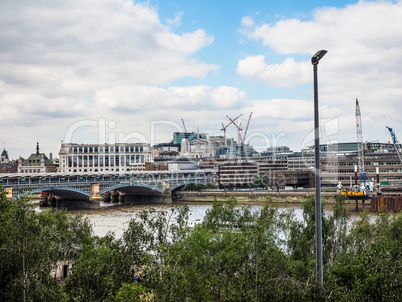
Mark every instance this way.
x=224 y=127
x=360 y=151
x=245 y=132
x=184 y=125
x=238 y=128
x=397 y=144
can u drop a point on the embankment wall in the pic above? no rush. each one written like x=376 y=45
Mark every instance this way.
x=249 y=196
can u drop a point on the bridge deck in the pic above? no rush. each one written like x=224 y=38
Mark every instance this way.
x=23 y=182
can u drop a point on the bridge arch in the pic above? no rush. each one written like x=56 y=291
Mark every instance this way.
x=131 y=188
x=61 y=192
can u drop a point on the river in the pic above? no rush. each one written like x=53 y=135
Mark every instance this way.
x=115 y=218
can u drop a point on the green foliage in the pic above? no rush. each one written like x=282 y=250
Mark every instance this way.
x=99 y=271
x=194 y=187
x=31 y=245
x=238 y=253
x=210 y=186
x=130 y=292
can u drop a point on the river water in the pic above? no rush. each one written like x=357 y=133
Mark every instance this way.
x=115 y=218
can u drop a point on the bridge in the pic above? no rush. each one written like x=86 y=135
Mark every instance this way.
x=90 y=186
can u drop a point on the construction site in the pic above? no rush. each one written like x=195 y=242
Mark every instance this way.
x=356 y=168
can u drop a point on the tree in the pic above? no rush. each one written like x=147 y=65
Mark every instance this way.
x=100 y=270
x=26 y=264
x=193 y=187
x=31 y=245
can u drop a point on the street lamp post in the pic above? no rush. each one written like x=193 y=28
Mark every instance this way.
x=318 y=219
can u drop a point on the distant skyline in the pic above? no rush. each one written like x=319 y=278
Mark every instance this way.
x=95 y=70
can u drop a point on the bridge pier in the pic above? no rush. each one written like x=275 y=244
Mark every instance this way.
x=114 y=197
x=9 y=193
x=166 y=193
x=95 y=198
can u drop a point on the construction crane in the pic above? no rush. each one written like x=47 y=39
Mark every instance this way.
x=360 y=151
x=224 y=127
x=184 y=125
x=238 y=128
x=397 y=144
x=245 y=131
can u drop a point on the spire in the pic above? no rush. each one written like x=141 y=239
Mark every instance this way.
x=37 y=148
x=198 y=145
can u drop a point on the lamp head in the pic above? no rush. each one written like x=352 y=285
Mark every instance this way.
x=317 y=57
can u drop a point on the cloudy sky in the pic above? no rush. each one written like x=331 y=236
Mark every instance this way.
x=123 y=71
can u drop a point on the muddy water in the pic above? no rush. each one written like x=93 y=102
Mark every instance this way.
x=115 y=218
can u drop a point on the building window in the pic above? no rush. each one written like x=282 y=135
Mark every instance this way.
x=101 y=161
x=106 y=160
x=96 y=160
x=111 y=160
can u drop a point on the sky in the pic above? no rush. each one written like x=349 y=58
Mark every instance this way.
x=99 y=71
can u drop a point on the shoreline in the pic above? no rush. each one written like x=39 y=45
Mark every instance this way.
x=250 y=196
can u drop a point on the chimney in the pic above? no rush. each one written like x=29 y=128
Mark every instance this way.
x=51 y=156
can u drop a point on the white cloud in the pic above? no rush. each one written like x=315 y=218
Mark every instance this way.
x=362 y=37
x=289 y=73
x=75 y=47
x=176 y=22
x=98 y=42
x=247 y=21
x=58 y=57
x=128 y=99
x=364 y=60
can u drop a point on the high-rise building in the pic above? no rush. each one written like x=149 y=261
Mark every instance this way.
x=190 y=136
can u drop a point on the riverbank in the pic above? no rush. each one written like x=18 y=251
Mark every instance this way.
x=250 y=196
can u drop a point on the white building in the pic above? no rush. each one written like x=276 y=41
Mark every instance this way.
x=104 y=157
x=182 y=165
